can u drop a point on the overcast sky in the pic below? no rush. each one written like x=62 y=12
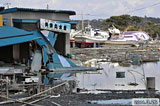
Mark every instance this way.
x=94 y=9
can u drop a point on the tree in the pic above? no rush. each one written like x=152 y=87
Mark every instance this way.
x=136 y=20
x=123 y=20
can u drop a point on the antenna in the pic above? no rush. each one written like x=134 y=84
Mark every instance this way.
x=7 y=5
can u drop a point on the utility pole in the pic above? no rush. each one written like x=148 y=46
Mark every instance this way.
x=47 y=7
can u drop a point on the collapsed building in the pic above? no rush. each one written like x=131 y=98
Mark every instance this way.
x=31 y=41
x=28 y=19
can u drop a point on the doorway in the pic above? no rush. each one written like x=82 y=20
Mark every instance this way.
x=151 y=83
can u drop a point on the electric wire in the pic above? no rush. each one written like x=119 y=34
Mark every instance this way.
x=144 y=7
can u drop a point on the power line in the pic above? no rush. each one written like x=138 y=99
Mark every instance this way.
x=88 y=14
x=144 y=7
x=158 y=3
x=92 y=15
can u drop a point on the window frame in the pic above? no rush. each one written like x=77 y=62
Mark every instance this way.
x=120 y=74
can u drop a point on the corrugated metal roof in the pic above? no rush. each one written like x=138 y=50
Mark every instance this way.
x=8 y=31
x=11 y=35
x=11 y=10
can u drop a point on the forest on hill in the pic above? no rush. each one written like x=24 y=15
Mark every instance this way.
x=150 y=25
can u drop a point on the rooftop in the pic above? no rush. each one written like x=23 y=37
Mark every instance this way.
x=15 y=9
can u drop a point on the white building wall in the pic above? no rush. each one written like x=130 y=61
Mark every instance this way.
x=107 y=79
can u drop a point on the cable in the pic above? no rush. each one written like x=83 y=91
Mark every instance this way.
x=89 y=14
x=144 y=7
x=158 y=3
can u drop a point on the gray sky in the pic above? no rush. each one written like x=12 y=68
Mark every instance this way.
x=96 y=9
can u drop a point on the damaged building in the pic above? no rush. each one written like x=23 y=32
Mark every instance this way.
x=28 y=19
x=32 y=45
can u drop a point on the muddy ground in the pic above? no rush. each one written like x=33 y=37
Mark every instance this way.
x=84 y=99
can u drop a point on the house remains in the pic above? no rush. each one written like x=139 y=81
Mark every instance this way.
x=33 y=43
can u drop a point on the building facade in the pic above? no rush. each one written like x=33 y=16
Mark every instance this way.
x=29 y=20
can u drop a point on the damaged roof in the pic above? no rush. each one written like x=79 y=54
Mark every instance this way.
x=11 y=35
x=11 y=10
x=8 y=31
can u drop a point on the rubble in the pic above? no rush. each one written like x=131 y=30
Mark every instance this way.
x=119 y=53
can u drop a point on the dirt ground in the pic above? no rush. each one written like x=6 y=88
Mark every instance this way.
x=84 y=99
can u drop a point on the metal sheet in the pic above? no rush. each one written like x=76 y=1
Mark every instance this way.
x=37 y=61
x=16 y=40
x=63 y=61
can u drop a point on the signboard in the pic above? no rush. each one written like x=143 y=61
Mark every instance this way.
x=55 y=26
x=145 y=102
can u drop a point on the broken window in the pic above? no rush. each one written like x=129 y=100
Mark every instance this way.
x=120 y=74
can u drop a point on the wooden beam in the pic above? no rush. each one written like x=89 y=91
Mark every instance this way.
x=14 y=100
x=36 y=100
